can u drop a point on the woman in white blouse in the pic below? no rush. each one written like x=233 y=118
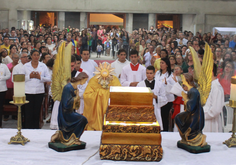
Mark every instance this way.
x=164 y=76
x=36 y=73
x=5 y=74
x=49 y=44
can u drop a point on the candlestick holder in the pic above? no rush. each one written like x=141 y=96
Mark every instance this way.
x=19 y=138
x=19 y=100
x=232 y=141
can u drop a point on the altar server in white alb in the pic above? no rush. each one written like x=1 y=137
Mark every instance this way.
x=176 y=89
x=36 y=73
x=120 y=62
x=132 y=74
x=81 y=88
x=88 y=64
x=5 y=74
x=214 y=105
x=164 y=76
x=158 y=89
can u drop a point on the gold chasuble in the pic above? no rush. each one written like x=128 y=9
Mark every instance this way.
x=96 y=102
x=96 y=96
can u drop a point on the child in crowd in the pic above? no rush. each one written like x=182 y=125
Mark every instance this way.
x=99 y=50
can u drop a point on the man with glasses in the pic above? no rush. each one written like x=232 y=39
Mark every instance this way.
x=18 y=69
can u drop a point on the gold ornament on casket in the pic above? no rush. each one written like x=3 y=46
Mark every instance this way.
x=130 y=129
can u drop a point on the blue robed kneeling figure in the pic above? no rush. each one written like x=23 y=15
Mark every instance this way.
x=71 y=124
x=190 y=123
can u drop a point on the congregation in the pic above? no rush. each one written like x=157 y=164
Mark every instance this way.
x=154 y=58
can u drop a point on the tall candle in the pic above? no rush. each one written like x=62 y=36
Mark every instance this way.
x=19 y=89
x=233 y=89
x=19 y=85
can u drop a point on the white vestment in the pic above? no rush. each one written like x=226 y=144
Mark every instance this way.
x=89 y=66
x=128 y=76
x=119 y=66
x=213 y=108
x=81 y=89
x=54 y=121
x=159 y=91
x=176 y=89
x=161 y=78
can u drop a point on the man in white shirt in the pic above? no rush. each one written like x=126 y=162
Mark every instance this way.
x=214 y=105
x=19 y=68
x=88 y=64
x=120 y=62
x=148 y=56
x=181 y=41
x=132 y=74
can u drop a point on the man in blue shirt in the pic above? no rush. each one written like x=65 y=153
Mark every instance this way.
x=233 y=42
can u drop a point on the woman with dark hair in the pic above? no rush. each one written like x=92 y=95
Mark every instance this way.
x=225 y=77
x=49 y=44
x=13 y=50
x=177 y=50
x=140 y=60
x=164 y=53
x=5 y=59
x=32 y=41
x=173 y=45
x=189 y=62
x=142 y=46
x=84 y=41
x=5 y=74
x=114 y=39
x=36 y=73
x=172 y=62
x=164 y=75
x=37 y=46
x=70 y=122
x=125 y=41
x=55 y=40
x=227 y=55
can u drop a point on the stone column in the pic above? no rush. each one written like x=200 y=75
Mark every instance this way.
x=199 y=23
x=188 y=21
x=83 y=20
x=61 y=20
x=151 y=20
x=12 y=18
x=129 y=22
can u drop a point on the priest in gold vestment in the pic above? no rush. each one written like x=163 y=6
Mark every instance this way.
x=96 y=96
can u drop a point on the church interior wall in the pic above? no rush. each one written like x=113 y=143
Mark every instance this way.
x=72 y=19
x=219 y=21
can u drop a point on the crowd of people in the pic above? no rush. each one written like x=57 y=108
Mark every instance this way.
x=140 y=58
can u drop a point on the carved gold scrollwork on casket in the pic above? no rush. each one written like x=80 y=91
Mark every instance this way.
x=130 y=113
x=131 y=152
x=131 y=129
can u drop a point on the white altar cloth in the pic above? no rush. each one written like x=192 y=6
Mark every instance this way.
x=36 y=152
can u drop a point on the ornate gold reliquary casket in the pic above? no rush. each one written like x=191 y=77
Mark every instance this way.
x=130 y=129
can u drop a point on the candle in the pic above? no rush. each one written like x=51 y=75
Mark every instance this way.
x=19 y=85
x=233 y=89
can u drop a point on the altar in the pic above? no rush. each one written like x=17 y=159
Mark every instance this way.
x=36 y=152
